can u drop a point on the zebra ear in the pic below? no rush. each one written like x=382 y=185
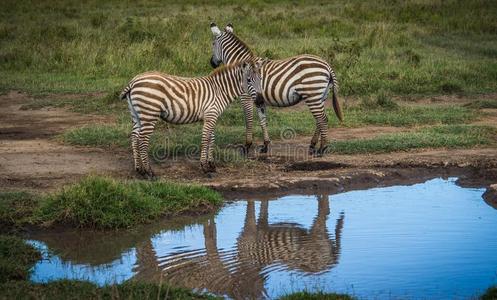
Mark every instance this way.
x=215 y=30
x=229 y=28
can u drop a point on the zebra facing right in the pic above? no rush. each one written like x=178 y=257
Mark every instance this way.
x=180 y=100
x=284 y=83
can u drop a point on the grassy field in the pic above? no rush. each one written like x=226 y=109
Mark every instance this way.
x=449 y=136
x=380 y=51
x=170 y=140
x=105 y=203
x=401 y=47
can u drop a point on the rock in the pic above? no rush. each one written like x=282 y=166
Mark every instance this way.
x=490 y=195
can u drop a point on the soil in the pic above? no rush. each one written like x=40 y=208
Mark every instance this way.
x=32 y=157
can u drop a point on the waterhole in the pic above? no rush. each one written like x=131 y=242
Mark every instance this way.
x=428 y=240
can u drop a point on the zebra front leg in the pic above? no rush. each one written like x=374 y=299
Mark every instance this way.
x=207 y=146
x=144 y=138
x=261 y=112
x=248 y=110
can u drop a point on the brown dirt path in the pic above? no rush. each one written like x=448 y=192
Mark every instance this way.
x=32 y=158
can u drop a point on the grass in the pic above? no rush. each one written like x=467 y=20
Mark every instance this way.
x=105 y=203
x=72 y=289
x=452 y=136
x=482 y=104
x=316 y=296
x=401 y=47
x=15 y=209
x=16 y=259
x=490 y=294
x=99 y=202
x=173 y=140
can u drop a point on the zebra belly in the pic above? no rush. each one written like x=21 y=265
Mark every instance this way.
x=286 y=98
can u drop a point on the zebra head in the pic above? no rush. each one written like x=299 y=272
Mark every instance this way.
x=227 y=48
x=252 y=80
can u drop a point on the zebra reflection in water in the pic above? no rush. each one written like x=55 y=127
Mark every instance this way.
x=242 y=271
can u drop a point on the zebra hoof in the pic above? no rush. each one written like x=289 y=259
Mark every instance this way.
x=150 y=176
x=208 y=167
x=264 y=148
x=312 y=150
x=245 y=149
x=322 y=151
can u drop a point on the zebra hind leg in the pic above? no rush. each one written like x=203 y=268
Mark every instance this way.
x=316 y=106
x=135 y=139
x=145 y=132
x=314 y=141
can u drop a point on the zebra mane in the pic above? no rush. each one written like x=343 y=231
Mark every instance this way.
x=241 y=42
x=224 y=68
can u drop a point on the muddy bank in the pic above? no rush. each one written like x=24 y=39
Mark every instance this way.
x=355 y=179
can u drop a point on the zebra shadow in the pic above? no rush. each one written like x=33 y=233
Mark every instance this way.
x=261 y=247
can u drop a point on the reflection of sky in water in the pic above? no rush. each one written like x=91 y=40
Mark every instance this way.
x=51 y=267
x=431 y=240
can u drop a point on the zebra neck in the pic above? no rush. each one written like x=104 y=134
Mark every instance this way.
x=229 y=83
x=241 y=55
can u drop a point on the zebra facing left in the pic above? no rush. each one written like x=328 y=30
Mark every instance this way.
x=180 y=100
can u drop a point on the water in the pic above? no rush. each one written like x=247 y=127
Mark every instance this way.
x=433 y=240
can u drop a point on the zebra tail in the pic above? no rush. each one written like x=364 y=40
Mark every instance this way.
x=126 y=94
x=126 y=91
x=336 y=104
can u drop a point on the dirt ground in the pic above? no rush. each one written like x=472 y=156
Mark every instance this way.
x=32 y=158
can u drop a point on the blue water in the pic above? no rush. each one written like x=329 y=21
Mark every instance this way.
x=433 y=240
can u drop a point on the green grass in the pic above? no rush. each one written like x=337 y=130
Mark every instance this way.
x=401 y=47
x=490 y=294
x=316 y=296
x=99 y=202
x=173 y=140
x=452 y=136
x=72 y=289
x=16 y=209
x=481 y=104
x=16 y=259
x=105 y=203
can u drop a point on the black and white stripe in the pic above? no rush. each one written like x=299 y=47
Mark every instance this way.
x=284 y=83
x=180 y=100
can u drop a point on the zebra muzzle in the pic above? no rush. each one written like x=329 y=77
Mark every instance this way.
x=214 y=63
x=259 y=100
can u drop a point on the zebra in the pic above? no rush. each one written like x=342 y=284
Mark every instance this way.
x=284 y=83
x=180 y=100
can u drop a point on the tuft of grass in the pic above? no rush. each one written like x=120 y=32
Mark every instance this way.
x=482 y=104
x=452 y=136
x=16 y=259
x=101 y=202
x=72 y=289
x=381 y=101
x=490 y=294
x=16 y=208
x=315 y=296
x=101 y=135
